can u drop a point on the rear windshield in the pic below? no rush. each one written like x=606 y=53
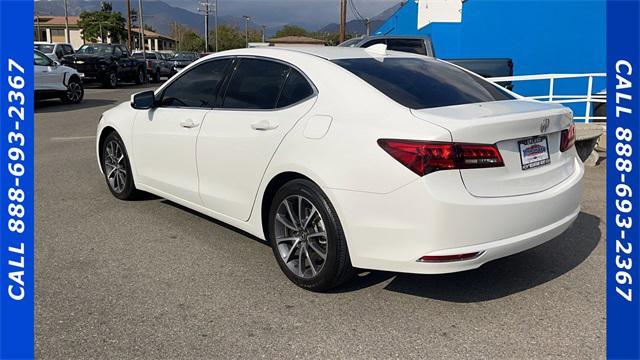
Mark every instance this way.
x=45 y=48
x=423 y=83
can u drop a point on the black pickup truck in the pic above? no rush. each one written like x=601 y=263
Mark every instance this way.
x=107 y=63
x=485 y=67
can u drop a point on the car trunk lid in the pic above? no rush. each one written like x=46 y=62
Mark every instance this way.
x=523 y=131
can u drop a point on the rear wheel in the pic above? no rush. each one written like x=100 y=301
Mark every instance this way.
x=74 y=93
x=307 y=238
x=116 y=168
x=139 y=76
x=111 y=80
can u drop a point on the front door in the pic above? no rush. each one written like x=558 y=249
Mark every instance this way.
x=164 y=142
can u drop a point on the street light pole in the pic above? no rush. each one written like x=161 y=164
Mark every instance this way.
x=246 y=30
x=66 y=24
x=206 y=24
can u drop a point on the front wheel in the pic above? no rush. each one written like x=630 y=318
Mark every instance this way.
x=140 y=77
x=116 y=168
x=307 y=238
x=74 y=93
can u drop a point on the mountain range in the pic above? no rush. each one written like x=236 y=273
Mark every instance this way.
x=272 y=14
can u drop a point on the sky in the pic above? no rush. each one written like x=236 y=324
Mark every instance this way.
x=311 y=12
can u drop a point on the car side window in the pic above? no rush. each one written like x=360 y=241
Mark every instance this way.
x=255 y=84
x=41 y=60
x=296 y=89
x=67 y=49
x=117 y=52
x=414 y=46
x=125 y=50
x=198 y=87
x=374 y=42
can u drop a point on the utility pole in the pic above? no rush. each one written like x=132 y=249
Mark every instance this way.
x=206 y=24
x=141 y=22
x=263 y=30
x=215 y=5
x=38 y=25
x=367 y=24
x=343 y=20
x=66 y=24
x=129 y=24
x=246 y=29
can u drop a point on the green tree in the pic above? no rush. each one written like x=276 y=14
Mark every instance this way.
x=230 y=37
x=191 y=42
x=292 y=30
x=112 y=24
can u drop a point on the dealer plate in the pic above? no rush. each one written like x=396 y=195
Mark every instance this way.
x=534 y=152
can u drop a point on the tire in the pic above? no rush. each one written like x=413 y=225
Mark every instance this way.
x=304 y=246
x=117 y=174
x=111 y=80
x=140 y=77
x=74 y=93
x=156 y=76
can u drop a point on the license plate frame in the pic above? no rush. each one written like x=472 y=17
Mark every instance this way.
x=534 y=152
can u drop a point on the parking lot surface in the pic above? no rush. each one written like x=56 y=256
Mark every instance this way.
x=151 y=279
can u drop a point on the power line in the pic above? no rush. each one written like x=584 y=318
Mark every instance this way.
x=355 y=11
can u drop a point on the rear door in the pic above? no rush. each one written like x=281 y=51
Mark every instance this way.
x=264 y=100
x=164 y=138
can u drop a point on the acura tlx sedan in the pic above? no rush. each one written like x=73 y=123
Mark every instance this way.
x=346 y=158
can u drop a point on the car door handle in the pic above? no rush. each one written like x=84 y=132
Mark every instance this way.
x=188 y=124
x=263 y=125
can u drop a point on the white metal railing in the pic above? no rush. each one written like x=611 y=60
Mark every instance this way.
x=588 y=98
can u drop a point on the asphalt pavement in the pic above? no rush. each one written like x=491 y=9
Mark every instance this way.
x=150 y=279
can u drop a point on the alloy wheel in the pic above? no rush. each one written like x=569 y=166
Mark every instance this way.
x=115 y=166
x=74 y=92
x=113 y=79
x=301 y=236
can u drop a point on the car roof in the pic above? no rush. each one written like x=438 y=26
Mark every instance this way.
x=325 y=52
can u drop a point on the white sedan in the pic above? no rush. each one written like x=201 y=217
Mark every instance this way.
x=348 y=158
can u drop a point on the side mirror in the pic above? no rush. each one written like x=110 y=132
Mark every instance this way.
x=144 y=100
x=56 y=63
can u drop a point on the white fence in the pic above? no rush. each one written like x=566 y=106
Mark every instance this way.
x=588 y=98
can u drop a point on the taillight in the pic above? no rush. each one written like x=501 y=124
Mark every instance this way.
x=424 y=157
x=568 y=138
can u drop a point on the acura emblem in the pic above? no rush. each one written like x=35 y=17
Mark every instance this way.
x=544 y=126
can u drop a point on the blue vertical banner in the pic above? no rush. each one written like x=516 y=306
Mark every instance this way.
x=16 y=180
x=623 y=179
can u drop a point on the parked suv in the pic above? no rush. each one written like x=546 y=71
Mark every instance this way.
x=182 y=59
x=157 y=66
x=55 y=51
x=108 y=63
x=53 y=80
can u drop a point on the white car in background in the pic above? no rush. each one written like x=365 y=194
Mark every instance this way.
x=53 y=80
x=55 y=51
x=343 y=158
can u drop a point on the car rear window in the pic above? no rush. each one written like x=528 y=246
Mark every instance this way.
x=423 y=83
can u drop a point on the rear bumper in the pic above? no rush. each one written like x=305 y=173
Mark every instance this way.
x=436 y=216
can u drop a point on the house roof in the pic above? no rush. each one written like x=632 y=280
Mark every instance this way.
x=47 y=20
x=296 y=40
x=152 y=34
